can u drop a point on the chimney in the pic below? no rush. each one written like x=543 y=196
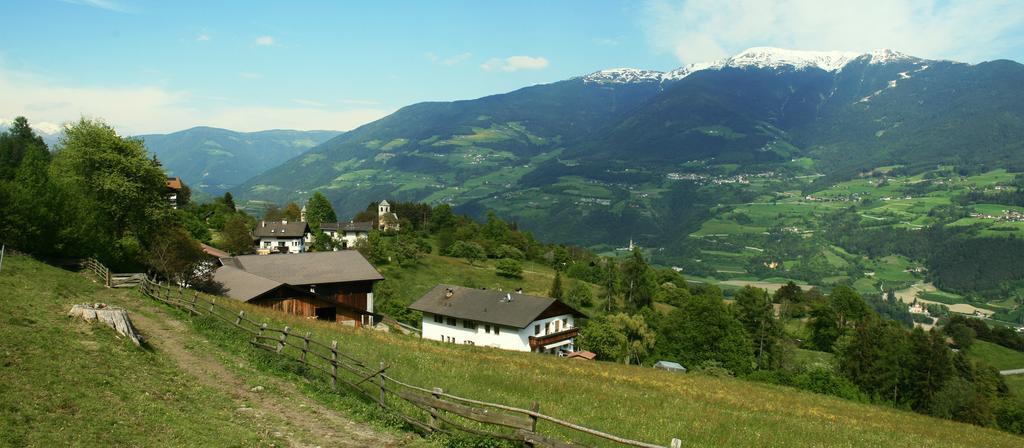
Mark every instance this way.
x=508 y=297
x=263 y=223
x=448 y=293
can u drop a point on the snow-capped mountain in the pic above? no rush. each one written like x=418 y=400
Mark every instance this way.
x=757 y=57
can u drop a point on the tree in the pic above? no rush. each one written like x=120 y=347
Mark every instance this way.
x=638 y=280
x=31 y=209
x=639 y=339
x=15 y=144
x=790 y=297
x=962 y=335
x=609 y=282
x=291 y=212
x=118 y=190
x=756 y=313
x=471 y=251
x=580 y=295
x=319 y=211
x=322 y=242
x=442 y=218
x=177 y=257
x=508 y=267
x=374 y=248
x=604 y=338
x=704 y=329
x=405 y=249
x=229 y=200
x=556 y=286
x=236 y=237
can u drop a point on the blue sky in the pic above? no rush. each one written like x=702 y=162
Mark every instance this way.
x=148 y=66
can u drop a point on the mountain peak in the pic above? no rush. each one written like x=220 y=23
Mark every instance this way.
x=623 y=76
x=770 y=57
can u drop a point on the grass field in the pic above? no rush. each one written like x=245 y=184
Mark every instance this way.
x=71 y=383
x=996 y=355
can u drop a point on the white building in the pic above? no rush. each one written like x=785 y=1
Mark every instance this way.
x=280 y=236
x=347 y=233
x=509 y=321
x=386 y=219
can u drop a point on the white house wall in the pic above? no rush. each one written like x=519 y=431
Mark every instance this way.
x=508 y=338
x=289 y=243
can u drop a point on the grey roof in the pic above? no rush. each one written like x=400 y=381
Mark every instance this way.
x=280 y=229
x=488 y=306
x=308 y=268
x=669 y=365
x=241 y=285
x=347 y=226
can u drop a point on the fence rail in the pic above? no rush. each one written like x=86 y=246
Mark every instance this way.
x=339 y=368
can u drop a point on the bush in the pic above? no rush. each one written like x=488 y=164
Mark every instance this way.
x=508 y=267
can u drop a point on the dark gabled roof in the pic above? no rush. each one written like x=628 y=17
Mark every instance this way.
x=489 y=306
x=280 y=229
x=347 y=226
x=308 y=268
x=243 y=286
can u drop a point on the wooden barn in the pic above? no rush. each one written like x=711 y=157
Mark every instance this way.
x=334 y=286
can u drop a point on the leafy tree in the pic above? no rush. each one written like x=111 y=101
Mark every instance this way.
x=604 y=338
x=508 y=267
x=556 y=286
x=756 y=313
x=790 y=297
x=638 y=280
x=580 y=295
x=962 y=335
x=442 y=218
x=929 y=365
x=322 y=242
x=639 y=339
x=236 y=237
x=506 y=251
x=471 y=251
x=704 y=329
x=406 y=249
x=610 y=283
x=825 y=330
x=292 y=212
x=117 y=189
x=177 y=257
x=374 y=248
x=15 y=144
x=229 y=200
x=319 y=211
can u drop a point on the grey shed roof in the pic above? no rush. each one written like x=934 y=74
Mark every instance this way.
x=243 y=286
x=280 y=229
x=669 y=365
x=308 y=268
x=489 y=306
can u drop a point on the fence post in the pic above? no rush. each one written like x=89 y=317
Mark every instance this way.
x=238 y=320
x=195 y=296
x=535 y=407
x=334 y=364
x=259 y=334
x=213 y=300
x=434 y=422
x=305 y=346
x=284 y=337
x=107 y=278
x=676 y=443
x=380 y=380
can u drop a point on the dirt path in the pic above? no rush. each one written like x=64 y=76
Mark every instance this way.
x=288 y=413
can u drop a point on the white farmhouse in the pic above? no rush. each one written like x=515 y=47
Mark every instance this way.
x=280 y=236
x=510 y=321
x=347 y=233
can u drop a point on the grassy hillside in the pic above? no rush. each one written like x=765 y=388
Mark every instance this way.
x=67 y=382
x=635 y=402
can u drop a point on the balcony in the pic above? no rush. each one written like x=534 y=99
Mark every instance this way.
x=552 y=338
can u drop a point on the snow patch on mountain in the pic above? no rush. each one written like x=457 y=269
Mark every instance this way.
x=757 y=57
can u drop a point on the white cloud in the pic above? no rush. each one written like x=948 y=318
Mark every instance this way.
x=514 y=63
x=250 y=75
x=448 y=61
x=705 y=30
x=265 y=41
x=360 y=102
x=146 y=109
x=203 y=37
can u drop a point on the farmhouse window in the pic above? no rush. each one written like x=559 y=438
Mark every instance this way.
x=439 y=318
x=547 y=327
x=451 y=321
x=558 y=326
x=536 y=329
x=468 y=324
x=487 y=329
x=496 y=329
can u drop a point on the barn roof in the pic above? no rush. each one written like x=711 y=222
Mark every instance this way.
x=308 y=268
x=243 y=286
x=489 y=306
x=347 y=226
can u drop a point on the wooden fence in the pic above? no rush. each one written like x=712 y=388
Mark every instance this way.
x=445 y=413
